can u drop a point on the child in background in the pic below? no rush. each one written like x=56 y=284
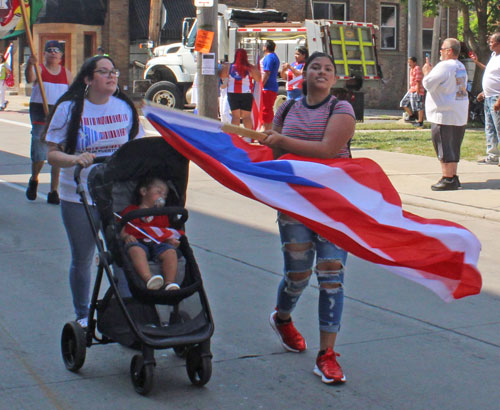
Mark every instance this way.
x=149 y=193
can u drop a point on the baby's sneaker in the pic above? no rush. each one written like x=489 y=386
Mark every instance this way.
x=172 y=286
x=155 y=283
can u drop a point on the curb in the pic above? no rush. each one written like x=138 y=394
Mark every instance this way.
x=439 y=205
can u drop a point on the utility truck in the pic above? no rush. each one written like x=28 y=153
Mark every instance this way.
x=171 y=70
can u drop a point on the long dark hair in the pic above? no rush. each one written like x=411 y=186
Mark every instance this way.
x=76 y=94
x=314 y=56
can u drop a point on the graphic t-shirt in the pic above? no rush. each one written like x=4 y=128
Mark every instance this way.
x=447 y=101
x=270 y=63
x=103 y=129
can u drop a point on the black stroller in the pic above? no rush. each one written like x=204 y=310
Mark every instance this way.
x=135 y=316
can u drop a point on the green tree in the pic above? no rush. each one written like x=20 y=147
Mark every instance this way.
x=480 y=18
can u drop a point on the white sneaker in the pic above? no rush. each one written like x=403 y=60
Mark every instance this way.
x=155 y=283
x=172 y=286
x=83 y=322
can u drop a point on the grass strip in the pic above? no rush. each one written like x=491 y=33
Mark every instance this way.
x=418 y=142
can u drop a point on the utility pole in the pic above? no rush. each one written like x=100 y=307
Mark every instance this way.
x=154 y=21
x=436 y=37
x=415 y=29
x=208 y=84
x=412 y=28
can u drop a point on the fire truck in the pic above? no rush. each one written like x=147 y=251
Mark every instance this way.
x=171 y=70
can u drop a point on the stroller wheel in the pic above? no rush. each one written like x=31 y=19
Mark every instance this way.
x=73 y=346
x=199 y=369
x=141 y=375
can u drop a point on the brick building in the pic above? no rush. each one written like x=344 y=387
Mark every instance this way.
x=121 y=25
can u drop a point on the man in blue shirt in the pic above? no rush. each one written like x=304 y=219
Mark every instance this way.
x=269 y=67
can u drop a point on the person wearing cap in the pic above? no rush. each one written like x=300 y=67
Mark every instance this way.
x=56 y=80
x=292 y=73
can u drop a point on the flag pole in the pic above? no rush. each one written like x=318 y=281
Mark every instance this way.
x=137 y=228
x=225 y=127
x=32 y=48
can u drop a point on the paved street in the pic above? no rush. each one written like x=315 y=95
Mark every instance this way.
x=401 y=346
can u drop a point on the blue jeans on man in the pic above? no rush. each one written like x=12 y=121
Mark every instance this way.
x=492 y=128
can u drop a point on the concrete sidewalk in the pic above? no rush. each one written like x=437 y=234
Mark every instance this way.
x=412 y=176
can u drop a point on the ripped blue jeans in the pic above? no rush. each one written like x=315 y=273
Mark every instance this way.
x=331 y=300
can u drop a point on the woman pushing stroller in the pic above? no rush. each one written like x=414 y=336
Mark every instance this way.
x=93 y=118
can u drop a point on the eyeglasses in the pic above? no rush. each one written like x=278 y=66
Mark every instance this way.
x=108 y=73
x=53 y=50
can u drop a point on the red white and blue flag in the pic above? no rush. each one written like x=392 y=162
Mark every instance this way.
x=257 y=101
x=8 y=55
x=350 y=202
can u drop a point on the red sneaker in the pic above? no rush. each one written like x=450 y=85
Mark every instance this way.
x=290 y=337
x=328 y=368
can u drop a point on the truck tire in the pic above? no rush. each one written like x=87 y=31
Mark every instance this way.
x=165 y=93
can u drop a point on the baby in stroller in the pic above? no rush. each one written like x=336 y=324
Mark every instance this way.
x=150 y=237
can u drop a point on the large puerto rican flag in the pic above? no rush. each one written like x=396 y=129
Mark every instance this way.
x=350 y=202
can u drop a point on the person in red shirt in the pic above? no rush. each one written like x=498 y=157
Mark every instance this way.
x=56 y=80
x=413 y=101
x=138 y=236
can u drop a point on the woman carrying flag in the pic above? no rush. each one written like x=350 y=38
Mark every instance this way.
x=317 y=126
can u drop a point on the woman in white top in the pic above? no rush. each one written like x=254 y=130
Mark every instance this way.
x=93 y=118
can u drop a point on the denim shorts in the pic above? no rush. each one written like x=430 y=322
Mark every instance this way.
x=153 y=250
x=38 y=148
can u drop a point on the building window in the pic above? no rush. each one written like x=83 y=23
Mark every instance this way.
x=330 y=10
x=89 y=47
x=426 y=40
x=388 y=24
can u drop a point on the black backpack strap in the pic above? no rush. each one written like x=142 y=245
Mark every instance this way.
x=332 y=107
x=289 y=105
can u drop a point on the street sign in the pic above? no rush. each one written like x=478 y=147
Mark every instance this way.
x=203 y=3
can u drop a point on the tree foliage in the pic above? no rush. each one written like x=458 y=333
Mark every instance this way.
x=479 y=19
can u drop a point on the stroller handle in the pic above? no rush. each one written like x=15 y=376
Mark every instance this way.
x=78 y=168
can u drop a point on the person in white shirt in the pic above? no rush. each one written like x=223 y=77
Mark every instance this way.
x=446 y=108
x=491 y=97
x=93 y=118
